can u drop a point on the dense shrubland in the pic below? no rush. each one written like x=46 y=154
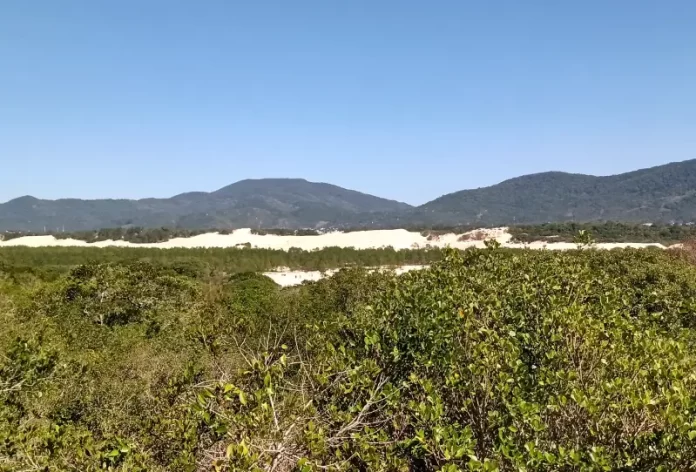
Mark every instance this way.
x=490 y=360
x=48 y=262
x=605 y=232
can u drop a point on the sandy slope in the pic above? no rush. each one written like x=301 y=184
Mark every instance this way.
x=396 y=238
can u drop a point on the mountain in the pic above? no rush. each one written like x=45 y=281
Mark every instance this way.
x=262 y=203
x=658 y=194
x=663 y=193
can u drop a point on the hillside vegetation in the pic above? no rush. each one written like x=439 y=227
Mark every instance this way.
x=489 y=360
x=262 y=203
x=658 y=194
x=664 y=193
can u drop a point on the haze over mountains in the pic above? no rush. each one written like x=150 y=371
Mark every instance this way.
x=659 y=194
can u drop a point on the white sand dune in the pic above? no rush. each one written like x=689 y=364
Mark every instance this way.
x=396 y=238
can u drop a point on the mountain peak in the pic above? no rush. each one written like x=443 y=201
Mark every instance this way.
x=262 y=184
x=657 y=194
x=267 y=203
x=24 y=200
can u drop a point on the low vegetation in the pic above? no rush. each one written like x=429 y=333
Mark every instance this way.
x=489 y=360
x=605 y=232
x=136 y=235
x=286 y=232
x=52 y=261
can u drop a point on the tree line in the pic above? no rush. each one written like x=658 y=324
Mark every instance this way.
x=605 y=232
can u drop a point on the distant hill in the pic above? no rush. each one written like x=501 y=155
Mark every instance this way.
x=659 y=194
x=663 y=193
x=263 y=203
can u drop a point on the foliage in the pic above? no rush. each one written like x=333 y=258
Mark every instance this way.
x=489 y=360
x=48 y=262
x=685 y=251
x=286 y=232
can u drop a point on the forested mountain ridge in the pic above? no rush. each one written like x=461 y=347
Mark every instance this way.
x=664 y=193
x=262 y=203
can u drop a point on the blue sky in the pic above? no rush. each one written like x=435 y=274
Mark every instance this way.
x=401 y=98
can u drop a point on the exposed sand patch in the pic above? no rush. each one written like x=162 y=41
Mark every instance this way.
x=396 y=238
x=287 y=278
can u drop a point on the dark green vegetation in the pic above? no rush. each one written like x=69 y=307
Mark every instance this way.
x=660 y=194
x=46 y=262
x=133 y=234
x=604 y=232
x=490 y=360
x=286 y=232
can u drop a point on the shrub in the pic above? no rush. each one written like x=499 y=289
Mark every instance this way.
x=686 y=251
x=473 y=236
x=490 y=360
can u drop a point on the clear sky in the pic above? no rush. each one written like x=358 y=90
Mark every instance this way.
x=404 y=99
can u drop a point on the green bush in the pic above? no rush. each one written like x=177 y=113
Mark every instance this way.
x=604 y=232
x=47 y=263
x=489 y=360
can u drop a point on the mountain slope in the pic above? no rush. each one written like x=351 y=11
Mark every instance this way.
x=662 y=193
x=291 y=203
x=658 y=194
